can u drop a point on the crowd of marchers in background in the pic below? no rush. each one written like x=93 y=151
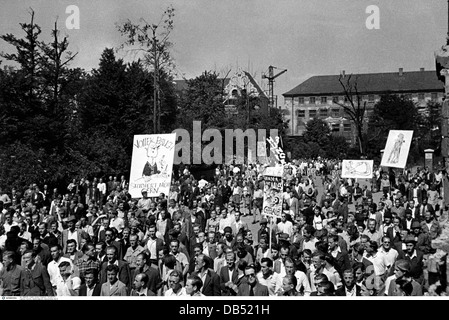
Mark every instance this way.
x=331 y=238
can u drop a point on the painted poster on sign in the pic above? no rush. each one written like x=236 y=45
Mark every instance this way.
x=151 y=164
x=273 y=191
x=397 y=148
x=358 y=169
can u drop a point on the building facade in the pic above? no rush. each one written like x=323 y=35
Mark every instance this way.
x=320 y=96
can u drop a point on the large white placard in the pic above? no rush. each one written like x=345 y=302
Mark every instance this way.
x=357 y=169
x=152 y=164
x=397 y=148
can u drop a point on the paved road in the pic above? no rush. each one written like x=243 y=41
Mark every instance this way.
x=362 y=182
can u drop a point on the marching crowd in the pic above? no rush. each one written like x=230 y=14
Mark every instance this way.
x=94 y=239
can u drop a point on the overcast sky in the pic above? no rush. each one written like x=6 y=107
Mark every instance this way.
x=306 y=37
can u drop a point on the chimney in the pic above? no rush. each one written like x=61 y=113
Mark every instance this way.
x=401 y=71
x=343 y=74
x=421 y=69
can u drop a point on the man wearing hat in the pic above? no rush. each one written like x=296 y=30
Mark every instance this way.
x=144 y=202
x=71 y=233
x=401 y=272
x=414 y=257
x=423 y=242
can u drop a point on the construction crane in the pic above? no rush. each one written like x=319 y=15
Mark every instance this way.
x=271 y=76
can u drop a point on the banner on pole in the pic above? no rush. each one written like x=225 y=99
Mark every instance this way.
x=152 y=164
x=273 y=191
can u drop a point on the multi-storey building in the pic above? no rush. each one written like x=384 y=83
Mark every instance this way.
x=320 y=96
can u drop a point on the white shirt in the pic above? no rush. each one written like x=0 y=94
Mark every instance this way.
x=286 y=227
x=53 y=270
x=170 y=292
x=63 y=290
x=379 y=263
x=73 y=235
x=302 y=282
x=89 y=291
x=102 y=187
x=271 y=282
x=390 y=256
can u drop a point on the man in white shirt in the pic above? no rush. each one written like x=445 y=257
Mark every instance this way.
x=53 y=266
x=267 y=276
x=285 y=226
x=174 y=283
x=68 y=284
x=388 y=252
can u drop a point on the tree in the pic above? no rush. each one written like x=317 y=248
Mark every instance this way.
x=156 y=51
x=317 y=131
x=354 y=106
x=392 y=112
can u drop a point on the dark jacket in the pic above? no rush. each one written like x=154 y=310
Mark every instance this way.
x=38 y=282
x=96 y=293
x=211 y=285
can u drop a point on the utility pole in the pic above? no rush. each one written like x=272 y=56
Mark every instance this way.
x=155 y=84
x=271 y=76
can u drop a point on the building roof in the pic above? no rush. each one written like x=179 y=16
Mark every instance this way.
x=413 y=81
x=256 y=85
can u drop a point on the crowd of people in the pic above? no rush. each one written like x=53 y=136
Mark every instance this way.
x=331 y=239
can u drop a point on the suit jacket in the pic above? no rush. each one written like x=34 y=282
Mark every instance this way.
x=259 y=290
x=65 y=237
x=416 y=264
x=396 y=238
x=224 y=278
x=154 y=278
x=38 y=282
x=118 y=289
x=124 y=274
x=341 y=291
x=404 y=223
x=149 y=293
x=294 y=205
x=211 y=285
x=96 y=293
x=342 y=262
x=419 y=208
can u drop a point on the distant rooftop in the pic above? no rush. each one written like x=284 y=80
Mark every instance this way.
x=394 y=82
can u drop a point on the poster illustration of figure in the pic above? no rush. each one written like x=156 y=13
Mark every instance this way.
x=397 y=148
x=151 y=164
x=362 y=169
x=272 y=193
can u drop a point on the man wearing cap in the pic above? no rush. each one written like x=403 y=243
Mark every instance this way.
x=430 y=225
x=144 y=202
x=423 y=242
x=414 y=257
x=263 y=229
x=401 y=272
x=71 y=233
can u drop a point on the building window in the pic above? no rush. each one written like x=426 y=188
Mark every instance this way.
x=335 y=127
x=312 y=100
x=301 y=100
x=434 y=96
x=335 y=112
x=346 y=127
x=371 y=98
x=323 y=99
x=335 y=99
x=301 y=113
x=323 y=112
x=312 y=113
x=420 y=96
